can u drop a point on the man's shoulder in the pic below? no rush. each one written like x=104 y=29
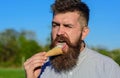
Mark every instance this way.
x=100 y=59
x=96 y=56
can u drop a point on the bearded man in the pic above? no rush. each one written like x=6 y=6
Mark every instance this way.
x=70 y=27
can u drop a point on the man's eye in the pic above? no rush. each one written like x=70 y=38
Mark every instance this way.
x=54 y=25
x=68 y=26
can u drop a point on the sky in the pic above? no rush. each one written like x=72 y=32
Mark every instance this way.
x=36 y=16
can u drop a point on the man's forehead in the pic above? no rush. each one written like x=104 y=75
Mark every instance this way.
x=66 y=17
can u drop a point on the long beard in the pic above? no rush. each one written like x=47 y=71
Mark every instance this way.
x=68 y=60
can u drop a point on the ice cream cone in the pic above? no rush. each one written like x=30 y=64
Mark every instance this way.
x=55 y=51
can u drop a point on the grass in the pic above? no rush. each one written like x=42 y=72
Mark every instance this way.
x=12 y=73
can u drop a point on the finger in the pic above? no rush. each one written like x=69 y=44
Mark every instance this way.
x=36 y=59
x=40 y=56
x=33 y=66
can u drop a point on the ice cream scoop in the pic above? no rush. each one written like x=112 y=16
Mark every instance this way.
x=55 y=51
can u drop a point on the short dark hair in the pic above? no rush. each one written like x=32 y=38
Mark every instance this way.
x=63 y=6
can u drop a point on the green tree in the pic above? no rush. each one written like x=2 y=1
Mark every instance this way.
x=115 y=54
x=8 y=46
x=16 y=46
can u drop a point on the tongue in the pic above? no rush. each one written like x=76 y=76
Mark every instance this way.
x=62 y=45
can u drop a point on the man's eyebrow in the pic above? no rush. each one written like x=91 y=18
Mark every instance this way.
x=53 y=22
x=68 y=24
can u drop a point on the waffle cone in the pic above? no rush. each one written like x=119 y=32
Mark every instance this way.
x=55 y=51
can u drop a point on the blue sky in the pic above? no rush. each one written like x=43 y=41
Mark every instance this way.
x=35 y=15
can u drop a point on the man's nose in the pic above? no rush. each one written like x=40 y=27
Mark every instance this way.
x=60 y=31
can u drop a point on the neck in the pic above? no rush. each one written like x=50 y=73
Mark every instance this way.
x=82 y=46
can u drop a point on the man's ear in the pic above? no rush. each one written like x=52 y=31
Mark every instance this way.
x=85 y=32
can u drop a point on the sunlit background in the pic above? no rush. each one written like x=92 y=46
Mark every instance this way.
x=35 y=16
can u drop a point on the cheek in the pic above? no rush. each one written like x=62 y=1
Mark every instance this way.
x=74 y=37
x=53 y=35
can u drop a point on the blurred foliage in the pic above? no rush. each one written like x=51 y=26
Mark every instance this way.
x=16 y=47
x=115 y=54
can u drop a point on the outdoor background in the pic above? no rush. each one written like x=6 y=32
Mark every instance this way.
x=25 y=27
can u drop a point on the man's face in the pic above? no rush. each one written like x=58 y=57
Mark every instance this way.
x=66 y=29
x=67 y=25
